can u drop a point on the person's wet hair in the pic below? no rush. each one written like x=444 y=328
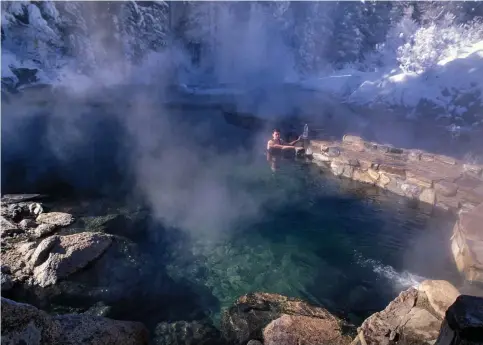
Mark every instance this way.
x=276 y=130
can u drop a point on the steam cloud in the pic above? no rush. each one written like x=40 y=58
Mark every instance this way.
x=115 y=123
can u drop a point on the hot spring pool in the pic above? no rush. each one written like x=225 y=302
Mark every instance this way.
x=211 y=230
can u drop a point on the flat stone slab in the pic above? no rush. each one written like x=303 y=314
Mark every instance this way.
x=15 y=198
x=439 y=180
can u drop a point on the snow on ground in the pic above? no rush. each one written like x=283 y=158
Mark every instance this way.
x=442 y=85
x=460 y=73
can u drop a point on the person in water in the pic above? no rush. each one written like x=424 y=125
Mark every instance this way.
x=277 y=143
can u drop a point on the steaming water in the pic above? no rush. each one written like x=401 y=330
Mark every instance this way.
x=229 y=225
x=334 y=243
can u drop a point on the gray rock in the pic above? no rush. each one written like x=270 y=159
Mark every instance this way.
x=55 y=218
x=441 y=295
x=36 y=209
x=410 y=190
x=428 y=196
x=296 y=329
x=378 y=327
x=337 y=168
x=27 y=224
x=333 y=152
x=26 y=249
x=446 y=188
x=41 y=253
x=251 y=313
x=70 y=254
x=13 y=211
x=8 y=228
x=44 y=229
x=421 y=327
x=25 y=324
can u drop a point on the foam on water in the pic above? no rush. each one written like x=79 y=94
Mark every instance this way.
x=400 y=280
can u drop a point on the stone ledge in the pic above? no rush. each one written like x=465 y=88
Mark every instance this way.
x=438 y=180
x=467 y=244
x=442 y=182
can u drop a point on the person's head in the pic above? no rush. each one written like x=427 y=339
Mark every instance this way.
x=276 y=134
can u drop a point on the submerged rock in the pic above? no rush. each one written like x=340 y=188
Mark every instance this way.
x=254 y=342
x=251 y=313
x=25 y=324
x=98 y=309
x=186 y=333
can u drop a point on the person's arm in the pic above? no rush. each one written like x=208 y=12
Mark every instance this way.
x=292 y=143
x=270 y=145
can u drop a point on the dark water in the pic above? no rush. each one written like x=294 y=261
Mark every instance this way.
x=213 y=224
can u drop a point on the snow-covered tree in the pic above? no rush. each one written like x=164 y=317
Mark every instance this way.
x=314 y=35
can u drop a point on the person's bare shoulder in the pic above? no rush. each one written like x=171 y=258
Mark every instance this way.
x=269 y=143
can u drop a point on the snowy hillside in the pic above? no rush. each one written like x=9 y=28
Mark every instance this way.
x=423 y=58
x=46 y=41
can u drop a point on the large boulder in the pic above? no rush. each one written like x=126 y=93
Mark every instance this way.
x=55 y=257
x=441 y=295
x=65 y=255
x=25 y=324
x=304 y=330
x=251 y=313
x=414 y=317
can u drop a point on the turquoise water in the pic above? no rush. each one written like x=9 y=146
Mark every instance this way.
x=346 y=246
